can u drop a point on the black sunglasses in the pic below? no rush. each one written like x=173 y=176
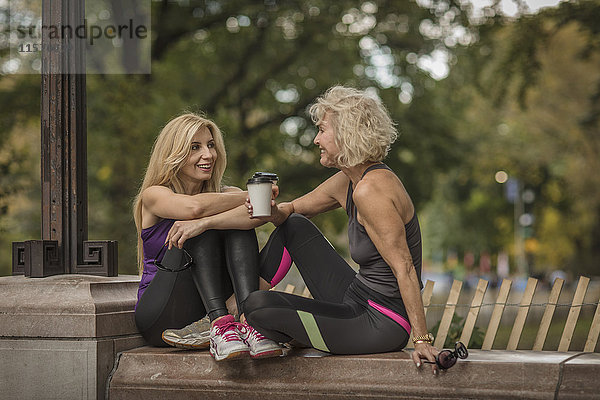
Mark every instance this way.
x=187 y=264
x=447 y=358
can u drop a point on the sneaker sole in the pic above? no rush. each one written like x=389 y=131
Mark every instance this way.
x=232 y=356
x=188 y=344
x=267 y=354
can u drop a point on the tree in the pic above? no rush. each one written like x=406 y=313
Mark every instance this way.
x=528 y=104
x=254 y=68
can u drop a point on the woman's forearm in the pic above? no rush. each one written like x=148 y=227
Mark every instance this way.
x=411 y=295
x=236 y=218
x=208 y=204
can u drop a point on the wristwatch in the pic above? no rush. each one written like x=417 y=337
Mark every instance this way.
x=427 y=338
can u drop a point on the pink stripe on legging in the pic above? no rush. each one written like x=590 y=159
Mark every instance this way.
x=284 y=267
x=395 y=316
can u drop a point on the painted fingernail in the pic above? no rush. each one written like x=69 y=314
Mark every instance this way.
x=418 y=365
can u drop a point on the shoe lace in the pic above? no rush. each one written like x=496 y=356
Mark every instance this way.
x=228 y=331
x=253 y=332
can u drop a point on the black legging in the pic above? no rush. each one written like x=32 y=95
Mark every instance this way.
x=345 y=317
x=176 y=299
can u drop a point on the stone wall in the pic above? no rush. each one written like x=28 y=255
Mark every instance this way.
x=59 y=336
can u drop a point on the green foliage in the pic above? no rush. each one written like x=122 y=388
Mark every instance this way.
x=528 y=95
x=254 y=70
x=455 y=330
x=253 y=67
x=19 y=163
x=521 y=96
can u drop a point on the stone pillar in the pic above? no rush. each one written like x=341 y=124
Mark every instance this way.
x=59 y=336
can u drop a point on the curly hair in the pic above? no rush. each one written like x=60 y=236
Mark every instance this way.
x=364 y=130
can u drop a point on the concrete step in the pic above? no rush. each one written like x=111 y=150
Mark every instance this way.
x=158 y=373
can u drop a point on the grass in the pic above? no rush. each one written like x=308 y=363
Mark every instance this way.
x=552 y=339
x=528 y=334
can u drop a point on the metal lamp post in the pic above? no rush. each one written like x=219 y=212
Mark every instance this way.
x=513 y=191
x=64 y=248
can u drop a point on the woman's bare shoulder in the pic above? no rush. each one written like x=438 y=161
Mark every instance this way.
x=386 y=184
x=153 y=193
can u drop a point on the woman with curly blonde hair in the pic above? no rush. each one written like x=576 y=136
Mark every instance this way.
x=189 y=271
x=373 y=310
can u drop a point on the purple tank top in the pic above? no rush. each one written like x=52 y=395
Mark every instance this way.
x=153 y=239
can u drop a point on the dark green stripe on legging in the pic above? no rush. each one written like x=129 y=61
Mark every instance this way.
x=312 y=330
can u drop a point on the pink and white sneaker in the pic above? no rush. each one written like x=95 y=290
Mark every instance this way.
x=225 y=341
x=260 y=346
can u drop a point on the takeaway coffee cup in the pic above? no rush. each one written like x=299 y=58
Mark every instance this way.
x=269 y=175
x=259 y=191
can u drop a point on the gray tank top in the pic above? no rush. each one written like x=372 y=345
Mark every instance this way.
x=374 y=271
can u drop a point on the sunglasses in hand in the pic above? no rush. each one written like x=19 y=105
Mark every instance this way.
x=188 y=263
x=447 y=358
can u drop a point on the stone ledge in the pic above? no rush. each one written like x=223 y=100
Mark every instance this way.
x=148 y=373
x=58 y=369
x=59 y=336
x=67 y=306
x=580 y=378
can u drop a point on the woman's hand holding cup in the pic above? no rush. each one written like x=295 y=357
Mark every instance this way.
x=262 y=192
x=274 y=194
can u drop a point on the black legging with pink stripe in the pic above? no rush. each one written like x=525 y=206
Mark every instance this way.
x=345 y=316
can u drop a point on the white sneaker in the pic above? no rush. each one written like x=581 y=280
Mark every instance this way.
x=225 y=341
x=260 y=346
x=195 y=336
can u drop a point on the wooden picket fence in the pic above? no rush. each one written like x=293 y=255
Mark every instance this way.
x=498 y=310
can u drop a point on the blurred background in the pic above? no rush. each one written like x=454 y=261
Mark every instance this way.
x=497 y=104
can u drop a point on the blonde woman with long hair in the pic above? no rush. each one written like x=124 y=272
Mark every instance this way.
x=188 y=271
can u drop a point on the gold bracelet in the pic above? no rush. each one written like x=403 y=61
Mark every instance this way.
x=426 y=338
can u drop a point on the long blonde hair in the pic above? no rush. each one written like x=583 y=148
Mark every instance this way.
x=169 y=153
